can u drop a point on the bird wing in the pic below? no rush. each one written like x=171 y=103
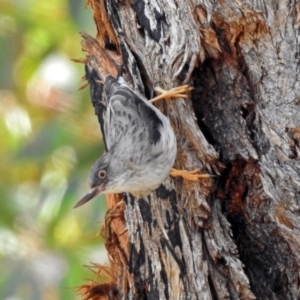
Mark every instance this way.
x=129 y=115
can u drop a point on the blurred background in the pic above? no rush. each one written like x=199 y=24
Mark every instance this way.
x=49 y=138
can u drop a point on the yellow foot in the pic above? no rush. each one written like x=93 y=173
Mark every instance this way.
x=177 y=92
x=189 y=175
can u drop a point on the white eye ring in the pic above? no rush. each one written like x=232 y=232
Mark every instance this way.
x=102 y=174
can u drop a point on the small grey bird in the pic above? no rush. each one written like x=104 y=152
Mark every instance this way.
x=141 y=145
x=140 y=142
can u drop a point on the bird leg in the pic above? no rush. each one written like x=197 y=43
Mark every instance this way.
x=189 y=175
x=177 y=92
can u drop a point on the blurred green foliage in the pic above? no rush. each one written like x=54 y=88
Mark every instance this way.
x=49 y=139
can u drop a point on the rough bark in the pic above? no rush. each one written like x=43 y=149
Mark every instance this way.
x=236 y=235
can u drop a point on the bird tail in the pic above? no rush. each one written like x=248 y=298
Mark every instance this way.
x=104 y=62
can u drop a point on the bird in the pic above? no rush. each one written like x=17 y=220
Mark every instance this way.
x=140 y=141
x=141 y=145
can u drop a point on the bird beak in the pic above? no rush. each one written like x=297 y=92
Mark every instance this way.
x=90 y=195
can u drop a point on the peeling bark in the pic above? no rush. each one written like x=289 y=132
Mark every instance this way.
x=237 y=235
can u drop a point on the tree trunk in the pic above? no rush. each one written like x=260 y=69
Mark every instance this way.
x=237 y=234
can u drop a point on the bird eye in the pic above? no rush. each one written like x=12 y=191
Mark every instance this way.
x=102 y=174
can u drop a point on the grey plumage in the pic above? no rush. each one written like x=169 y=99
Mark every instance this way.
x=141 y=145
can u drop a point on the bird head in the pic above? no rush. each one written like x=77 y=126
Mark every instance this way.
x=99 y=178
x=106 y=176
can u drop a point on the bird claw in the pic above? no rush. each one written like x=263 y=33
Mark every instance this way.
x=193 y=175
x=177 y=92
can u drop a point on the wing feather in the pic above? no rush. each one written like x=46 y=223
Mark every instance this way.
x=129 y=115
